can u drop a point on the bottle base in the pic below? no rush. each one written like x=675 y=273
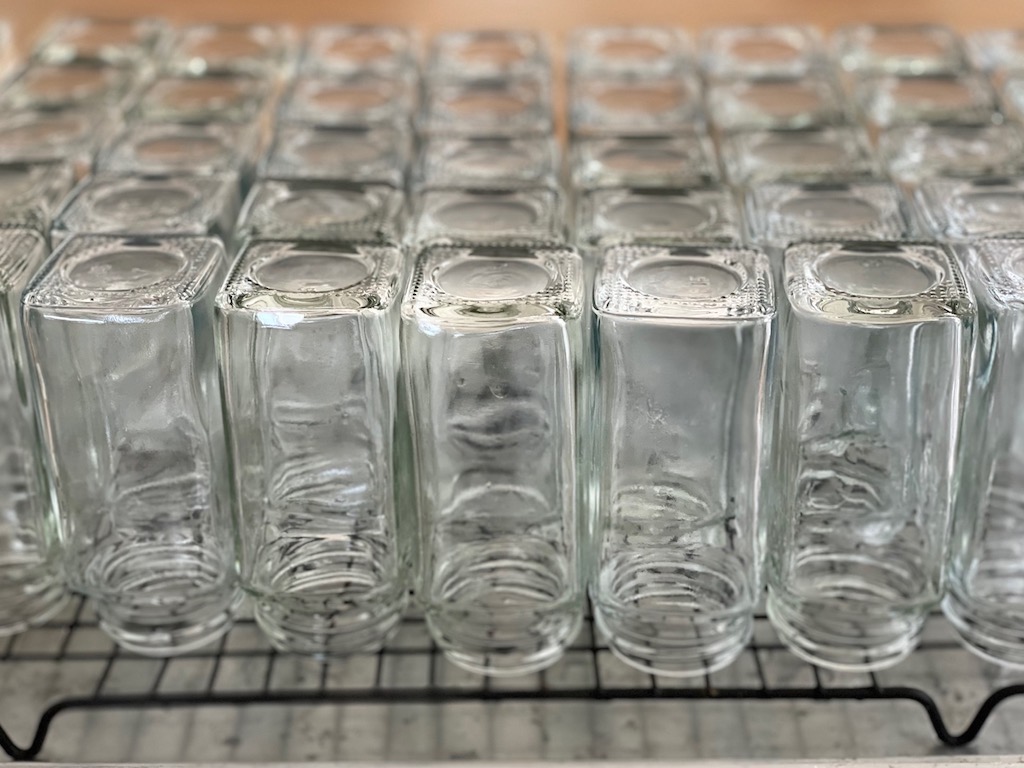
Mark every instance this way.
x=162 y=599
x=704 y=646
x=28 y=604
x=171 y=637
x=994 y=634
x=314 y=627
x=674 y=612
x=506 y=645
x=846 y=635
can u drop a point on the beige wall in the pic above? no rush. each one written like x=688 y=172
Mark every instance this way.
x=554 y=16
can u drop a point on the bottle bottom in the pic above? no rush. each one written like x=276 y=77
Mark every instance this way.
x=505 y=608
x=992 y=629
x=852 y=633
x=30 y=594
x=162 y=599
x=329 y=624
x=674 y=613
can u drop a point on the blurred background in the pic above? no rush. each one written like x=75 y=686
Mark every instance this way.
x=553 y=16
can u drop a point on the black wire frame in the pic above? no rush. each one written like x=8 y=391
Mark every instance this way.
x=438 y=693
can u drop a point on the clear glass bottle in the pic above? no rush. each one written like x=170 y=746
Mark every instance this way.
x=345 y=49
x=359 y=100
x=299 y=209
x=31 y=193
x=31 y=587
x=121 y=341
x=658 y=215
x=114 y=42
x=887 y=100
x=489 y=161
x=682 y=159
x=996 y=52
x=780 y=213
x=899 y=49
x=72 y=134
x=490 y=107
x=770 y=50
x=875 y=340
x=912 y=153
x=262 y=50
x=964 y=210
x=636 y=51
x=40 y=86
x=985 y=597
x=212 y=99
x=155 y=149
x=812 y=154
x=775 y=103
x=684 y=339
x=372 y=154
x=151 y=205
x=603 y=105
x=487 y=53
x=491 y=345
x=524 y=216
x=308 y=348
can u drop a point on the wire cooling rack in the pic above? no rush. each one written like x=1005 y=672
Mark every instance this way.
x=241 y=670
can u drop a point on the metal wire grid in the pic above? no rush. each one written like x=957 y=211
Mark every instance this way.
x=242 y=669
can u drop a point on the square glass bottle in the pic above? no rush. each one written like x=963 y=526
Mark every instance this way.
x=359 y=99
x=31 y=193
x=912 y=153
x=985 y=596
x=297 y=209
x=308 y=348
x=40 y=86
x=615 y=105
x=899 y=49
x=781 y=213
x=966 y=209
x=523 y=216
x=499 y=161
x=370 y=154
x=685 y=158
x=886 y=100
x=149 y=149
x=658 y=215
x=120 y=336
x=72 y=134
x=811 y=154
x=773 y=103
x=637 y=51
x=487 y=53
x=494 y=107
x=757 y=51
x=213 y=99
x=346 y=49
x=876 y=334
x=491 y=345
x=684 y=339
x=150 y=205
x=31 y=586
x=261 y=50
x=93 y=40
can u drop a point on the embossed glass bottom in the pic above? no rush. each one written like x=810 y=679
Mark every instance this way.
x=674 y=612
x=30 y=593
x=162 y=598
x=856 y=612
x=325 y=598
x=992 y=628
x=501 y=606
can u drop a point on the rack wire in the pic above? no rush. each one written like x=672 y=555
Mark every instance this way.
x=239 y=670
